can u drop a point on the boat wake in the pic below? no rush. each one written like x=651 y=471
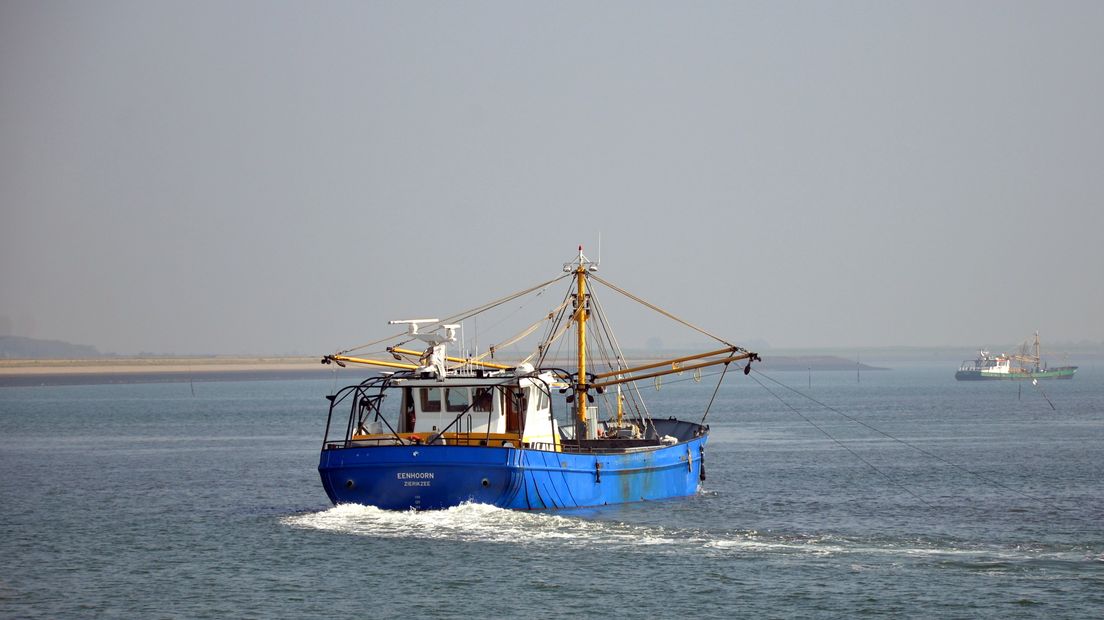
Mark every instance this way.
x=478 y=523
x=947 y=553
x=485 y=523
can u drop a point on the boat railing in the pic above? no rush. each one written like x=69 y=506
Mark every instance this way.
x=368 y=424
x=364 y=402
x=480 y=439
x=372 y=422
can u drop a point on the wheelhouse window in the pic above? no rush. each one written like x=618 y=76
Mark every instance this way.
x=431 y=399
x=483 y=402
x=456 y=399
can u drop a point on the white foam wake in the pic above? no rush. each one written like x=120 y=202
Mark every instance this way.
x=484 y=523
x=478 y=522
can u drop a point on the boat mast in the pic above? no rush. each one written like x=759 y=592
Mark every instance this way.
x=582 y=268
x=580 y=325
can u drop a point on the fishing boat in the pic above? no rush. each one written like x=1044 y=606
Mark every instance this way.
x=434 y=430
x=1027 y=363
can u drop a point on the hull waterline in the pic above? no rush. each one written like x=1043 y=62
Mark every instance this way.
x=428 y=477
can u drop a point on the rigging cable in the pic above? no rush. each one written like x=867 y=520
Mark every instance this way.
x=906 y=443
x=600 y=329
x=560 y=327
x=715 y=390
x=843 y=445
x=636 y=400
x=465 y=314
x=554 y=332
x=523 y=334
x=664 y=312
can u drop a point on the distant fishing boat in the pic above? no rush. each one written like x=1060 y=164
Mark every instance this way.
x=435 y=431
x=1022 y=365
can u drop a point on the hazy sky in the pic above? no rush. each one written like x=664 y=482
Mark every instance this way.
x=277 y=177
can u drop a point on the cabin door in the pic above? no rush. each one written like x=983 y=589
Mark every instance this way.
x=406 y=425
x=515 y=410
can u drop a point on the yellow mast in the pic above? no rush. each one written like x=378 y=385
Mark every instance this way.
x=580 y=325
x=620 y=403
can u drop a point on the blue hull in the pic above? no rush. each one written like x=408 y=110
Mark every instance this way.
x=427 y=477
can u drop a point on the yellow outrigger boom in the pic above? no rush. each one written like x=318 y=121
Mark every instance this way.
x=342 y=359
x=675 y=367
x=458 y=360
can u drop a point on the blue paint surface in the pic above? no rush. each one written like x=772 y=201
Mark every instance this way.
x=441 y=476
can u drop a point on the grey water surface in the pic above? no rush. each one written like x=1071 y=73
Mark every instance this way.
x=934 y=498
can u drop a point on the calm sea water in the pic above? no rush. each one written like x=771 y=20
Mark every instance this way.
x=149 y=501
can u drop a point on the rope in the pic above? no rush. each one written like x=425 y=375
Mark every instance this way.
x=844 y=446
x=914 y=447
x=515 y=311
x=664 y=312
x=551 y=334
x=465 y=314
x=715 y=390
x=637 y=403
x=523 y=334
x=564 y=326
x=603 y=336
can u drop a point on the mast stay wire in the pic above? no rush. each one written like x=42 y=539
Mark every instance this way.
x=664 y=312
x=561 y=328
x=556 y=329
x=519 y=336
x=515 y=311
x=714 y=396
x=906 y=443
x=638 y=405
x=597 y=332
x=465 y=314
x=948 y=463
x=554 y=332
